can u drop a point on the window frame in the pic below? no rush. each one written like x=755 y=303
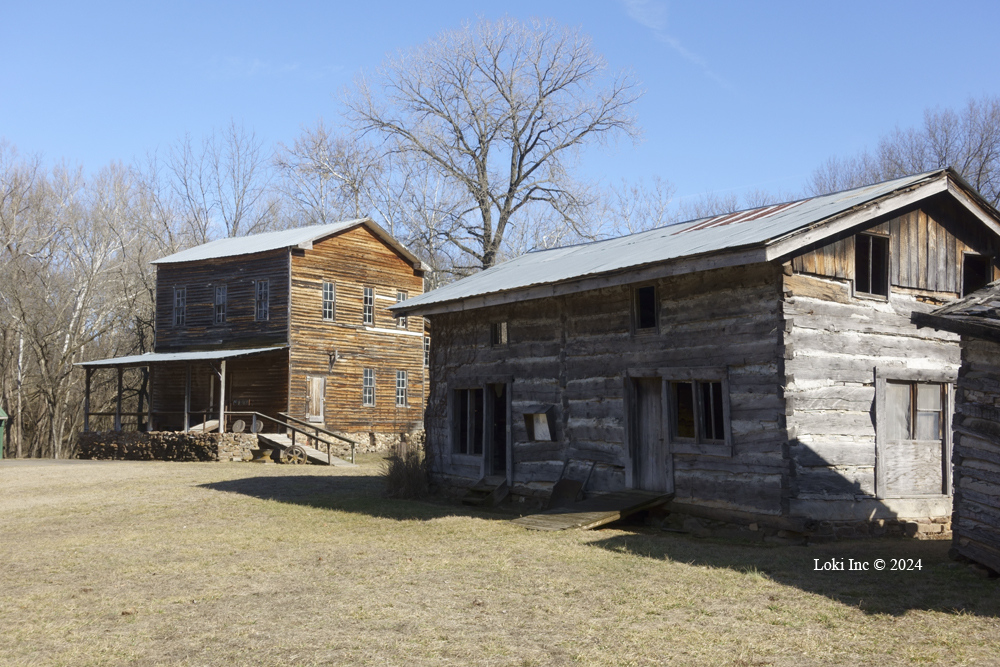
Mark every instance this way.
x=635 y=310
x=888 y=264
x=989 y=267
x=499 y=334
x=368 y=306
x=460 y=395
x=697 y=445
x=401 y=321
x=221 y=305
x=368 y=388
x=913 y=376
x=427 y=351
x=179 y=312
x=329 y=303
x=262 y=300
x=402 y=389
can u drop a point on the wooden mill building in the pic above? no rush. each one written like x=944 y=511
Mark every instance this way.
x=976 y=448
x=761 y=363
x=293 y=322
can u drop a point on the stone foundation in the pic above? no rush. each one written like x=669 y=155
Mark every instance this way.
x=371 y=442
x=165 y=446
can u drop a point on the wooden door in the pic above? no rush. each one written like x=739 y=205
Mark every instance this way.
x=914 y=448
x=654 y=470
x=315 y=398
x=496 y=412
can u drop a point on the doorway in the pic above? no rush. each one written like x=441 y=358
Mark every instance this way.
x=496 y=396
x=653 y=464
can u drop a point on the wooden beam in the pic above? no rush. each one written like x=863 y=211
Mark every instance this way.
x=187 y=398
x=118 y=404
x=86 y=401
x=147 y=380
x=222 y=397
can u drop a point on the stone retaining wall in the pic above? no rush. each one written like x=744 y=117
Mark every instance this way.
x=165 y=446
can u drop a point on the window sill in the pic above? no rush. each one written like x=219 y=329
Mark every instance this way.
x=865 y=296
x=693 y=448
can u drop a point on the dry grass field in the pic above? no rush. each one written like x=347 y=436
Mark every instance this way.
x=115 y=563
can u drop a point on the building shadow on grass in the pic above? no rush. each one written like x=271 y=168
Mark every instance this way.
x=361 y=494
x=940 y=584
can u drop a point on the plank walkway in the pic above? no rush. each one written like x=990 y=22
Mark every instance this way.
x=283 y=442
x=595 y=511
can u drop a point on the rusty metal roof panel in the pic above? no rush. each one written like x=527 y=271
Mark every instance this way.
x=755 y=227
x=163 y=357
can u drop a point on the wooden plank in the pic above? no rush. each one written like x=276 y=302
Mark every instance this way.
x=912 y=468
x=815 y=288
x=593 y=512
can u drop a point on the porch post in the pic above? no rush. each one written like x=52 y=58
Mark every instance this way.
x=187 y=397
x=222 y=398
x=86 y=401
x=148 y=372
x=118 y=405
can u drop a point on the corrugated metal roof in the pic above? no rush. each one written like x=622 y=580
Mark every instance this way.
x=706 y=235
x=161 y=357
x=247 y=245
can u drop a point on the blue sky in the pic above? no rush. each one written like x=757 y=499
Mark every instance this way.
x=739 y=95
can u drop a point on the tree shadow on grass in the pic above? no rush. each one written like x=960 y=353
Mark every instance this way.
x=360 y=494
x=940 y=585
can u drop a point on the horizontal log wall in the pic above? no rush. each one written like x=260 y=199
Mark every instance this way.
x=353 y=260
x=573 y=352
x=239 y=275
x=976 y=454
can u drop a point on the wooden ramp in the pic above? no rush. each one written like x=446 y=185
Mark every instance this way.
x=595 y=511
x=282 y=442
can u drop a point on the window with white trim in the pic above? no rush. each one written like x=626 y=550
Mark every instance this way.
x=400 y=389
x=368 y=306
x=261 y=300
x=221 y=296
x=180 y=306
x=401 y=321
x=368 y=388
x=329 y=301
x=427 y=351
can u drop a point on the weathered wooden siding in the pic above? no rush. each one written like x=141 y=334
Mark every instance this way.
x=976 y=453
x=574 y=352
x=253 y=384
x=241 y=329
x=353 y=260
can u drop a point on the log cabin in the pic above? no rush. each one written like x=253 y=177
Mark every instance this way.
x=976 y=425
x=293 y=322
x=760 y=364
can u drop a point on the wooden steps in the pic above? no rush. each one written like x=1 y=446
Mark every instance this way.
x=594 y=511
x=282 y=442
x=487 y=492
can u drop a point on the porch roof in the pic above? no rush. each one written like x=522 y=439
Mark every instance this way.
x=163 y=357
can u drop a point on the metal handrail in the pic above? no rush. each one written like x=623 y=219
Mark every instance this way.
x=294 y=429
x=319 y=429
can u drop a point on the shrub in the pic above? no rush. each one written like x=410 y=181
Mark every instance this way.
x=406 y=475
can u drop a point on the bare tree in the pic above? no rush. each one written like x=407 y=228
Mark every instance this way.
x=968 y=140
x=501 y=109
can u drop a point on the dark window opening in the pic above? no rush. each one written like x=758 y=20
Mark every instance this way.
x=645 y=307
x=221 y=297
x=871 y=264
x=976 y=273
x=498 y=334
x=469 y=421
x=697 y=412
x=261 y=305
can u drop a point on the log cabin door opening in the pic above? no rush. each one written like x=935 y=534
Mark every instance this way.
x=315 y=398
x=497 y=431
x=653 y=464
x=914 y=450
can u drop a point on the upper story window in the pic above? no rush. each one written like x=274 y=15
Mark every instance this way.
x=498 y=334
x=221 y=296
x=180 y=306
x=644 y=308
x=368 y=387
x=400 y=389
x=401 y=320
x=261 y=300
x=427 y=351
x=329 y=301
x=368 y=306
x=871 y=264
x=977 y=272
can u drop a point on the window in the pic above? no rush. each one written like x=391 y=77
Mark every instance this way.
x=498 y=334
x=401 y=320
x=180 y=306
x=977 y=272
x=329 y=301
x=871 y=264
x=644 y=308
x=261 y=301
x=468 y=421
x=427 y=351
x=368 y=314
x=697 y=411
x=400 y=389
x=912 y=437
x=368 y=388
x=221 y=294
